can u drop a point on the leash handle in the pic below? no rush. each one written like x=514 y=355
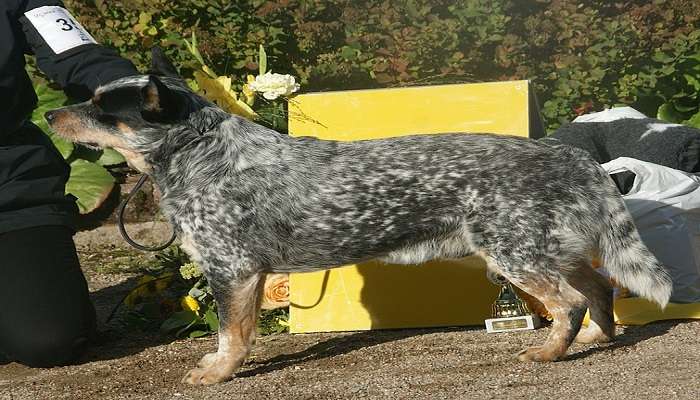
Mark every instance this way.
x=122 y=228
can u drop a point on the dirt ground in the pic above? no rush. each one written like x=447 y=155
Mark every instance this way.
x=661 y=360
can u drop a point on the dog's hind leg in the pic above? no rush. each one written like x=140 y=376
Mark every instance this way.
x=238 y=305
x=599 y=296
x=567 y=307
x=566 y=304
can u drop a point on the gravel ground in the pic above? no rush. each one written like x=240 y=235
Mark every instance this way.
x=657 y=361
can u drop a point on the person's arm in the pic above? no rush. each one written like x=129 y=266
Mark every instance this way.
x=67 y=53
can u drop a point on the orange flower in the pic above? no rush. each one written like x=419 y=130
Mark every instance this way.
x=276 y=291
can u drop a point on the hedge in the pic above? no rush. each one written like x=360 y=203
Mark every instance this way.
x=583 y=55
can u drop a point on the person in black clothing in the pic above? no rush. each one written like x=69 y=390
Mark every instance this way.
x=46 y=317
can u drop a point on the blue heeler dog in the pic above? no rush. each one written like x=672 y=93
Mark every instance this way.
x=248 y=201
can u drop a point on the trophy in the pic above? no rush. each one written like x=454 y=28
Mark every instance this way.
x=509 y=312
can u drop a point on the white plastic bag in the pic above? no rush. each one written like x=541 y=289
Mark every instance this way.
x=611 y=114
x=665 y=206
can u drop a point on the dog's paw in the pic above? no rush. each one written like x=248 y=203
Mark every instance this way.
x=205 y=376
x=208 y=360
x=537 y=354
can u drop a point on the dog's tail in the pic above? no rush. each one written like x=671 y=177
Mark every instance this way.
x=628 y=260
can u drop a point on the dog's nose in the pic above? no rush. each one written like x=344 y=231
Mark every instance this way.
x=50 y=116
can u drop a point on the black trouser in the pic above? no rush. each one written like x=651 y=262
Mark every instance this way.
x=46 y=317
x=32 y=181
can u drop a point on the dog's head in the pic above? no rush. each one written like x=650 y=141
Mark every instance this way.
x=131 y=115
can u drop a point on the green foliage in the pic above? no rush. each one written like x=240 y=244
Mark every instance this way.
x=598 y=53
x=273 y=321
x=229 y=33
x=583 y=55
x=675 y=74
x=89 y=181
x=192 y=324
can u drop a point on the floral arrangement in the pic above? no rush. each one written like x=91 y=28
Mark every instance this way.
x=275 y=89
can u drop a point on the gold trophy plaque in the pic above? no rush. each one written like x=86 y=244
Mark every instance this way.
x=509 y=312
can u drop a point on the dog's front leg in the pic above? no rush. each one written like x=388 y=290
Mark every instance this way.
x=238 y=304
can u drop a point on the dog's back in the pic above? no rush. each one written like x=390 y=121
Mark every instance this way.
x=330 y=203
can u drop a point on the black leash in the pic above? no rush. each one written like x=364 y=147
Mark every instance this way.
x=125 y=235
x=120 y=220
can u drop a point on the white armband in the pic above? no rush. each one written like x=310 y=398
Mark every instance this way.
x=58 y=28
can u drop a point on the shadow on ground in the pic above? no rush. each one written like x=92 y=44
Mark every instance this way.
x=345 y=344
x=340 y=345
x=631 y=336
x=115 y=339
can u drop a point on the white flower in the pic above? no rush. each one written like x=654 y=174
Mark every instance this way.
x=273 y=86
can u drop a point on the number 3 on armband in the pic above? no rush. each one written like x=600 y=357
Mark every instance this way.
x=66 y=25
x=58 y=28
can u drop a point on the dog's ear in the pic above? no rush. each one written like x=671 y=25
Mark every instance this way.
x=160 y=103
x=161 y=65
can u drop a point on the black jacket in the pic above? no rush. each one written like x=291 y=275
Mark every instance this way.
x=32 y=173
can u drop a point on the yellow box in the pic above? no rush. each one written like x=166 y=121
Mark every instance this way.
x=376 y=295
x=639 y=311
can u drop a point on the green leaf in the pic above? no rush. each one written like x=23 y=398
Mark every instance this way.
x=684 y=109
x=348 y=53
x=694 y=121
x=196 y=334
x=110 y=157
x=661 y=57
x=412 y=9
x=197 y=293
x=194 y=322
x=693 y=81
x=178 y=320
x=85 y=153
x=667 y=112
x=262 y=61
x=212 y=320
x=668 y=69
x=145 y=18
x=50 y=99
x=192 y=48
x=90 y=183
x=104 y=157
